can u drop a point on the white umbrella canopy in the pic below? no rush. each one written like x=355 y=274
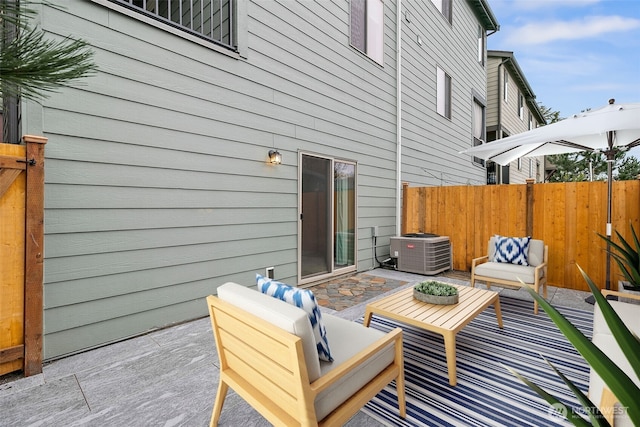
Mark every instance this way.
x=614 y=126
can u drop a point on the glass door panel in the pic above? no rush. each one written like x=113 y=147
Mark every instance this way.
x=344 y=180
x=315 y=217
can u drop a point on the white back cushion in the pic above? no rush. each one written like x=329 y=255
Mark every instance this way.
x=285 y=316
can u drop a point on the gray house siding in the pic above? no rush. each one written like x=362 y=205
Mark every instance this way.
x=503 y=115
x=431 y=142
x=157 y=184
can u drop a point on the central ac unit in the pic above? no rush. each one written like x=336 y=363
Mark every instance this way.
x=426 y=254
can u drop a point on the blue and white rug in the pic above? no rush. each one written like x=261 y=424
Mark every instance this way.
x=487 y=394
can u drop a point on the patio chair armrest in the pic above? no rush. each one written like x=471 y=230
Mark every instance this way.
x=479 y=260
x=542 y=266
x=393 y=337
x=607 y=292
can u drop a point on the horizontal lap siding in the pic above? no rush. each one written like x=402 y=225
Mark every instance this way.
x=431 y=143
x=157 y=182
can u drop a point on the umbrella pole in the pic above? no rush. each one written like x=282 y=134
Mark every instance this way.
x=609 y=191
x=611 y=155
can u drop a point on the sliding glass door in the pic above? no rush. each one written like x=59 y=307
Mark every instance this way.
x=327 y=216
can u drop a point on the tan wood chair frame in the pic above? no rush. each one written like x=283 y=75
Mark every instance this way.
x=540 y=277
x=265 y=365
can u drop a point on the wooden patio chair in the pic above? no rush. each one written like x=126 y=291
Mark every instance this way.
x=506 y=274
x=267 y=358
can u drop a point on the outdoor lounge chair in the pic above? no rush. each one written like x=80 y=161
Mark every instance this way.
x=508 y=274
x=268 y=356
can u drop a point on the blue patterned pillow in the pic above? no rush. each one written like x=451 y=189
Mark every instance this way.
x=513 y=250
x=305 y=300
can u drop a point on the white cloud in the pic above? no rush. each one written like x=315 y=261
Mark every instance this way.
x=592 y=26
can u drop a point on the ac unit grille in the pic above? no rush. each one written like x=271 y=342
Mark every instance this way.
x=428 y=256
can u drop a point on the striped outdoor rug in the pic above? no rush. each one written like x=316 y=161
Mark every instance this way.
x=486 y=394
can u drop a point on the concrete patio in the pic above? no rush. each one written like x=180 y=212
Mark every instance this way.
x=168 y=377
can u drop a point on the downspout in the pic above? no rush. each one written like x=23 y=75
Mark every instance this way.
x=500 y=84
x=398 y=115
x=499 y=129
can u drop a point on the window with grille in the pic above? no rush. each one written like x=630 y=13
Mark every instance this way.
x=212 y=20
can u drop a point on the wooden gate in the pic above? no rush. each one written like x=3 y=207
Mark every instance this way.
x=21 y=255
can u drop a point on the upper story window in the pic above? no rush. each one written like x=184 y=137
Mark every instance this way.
x=367 y=28
x=482 y=44
x=505 y=85
x=444 y=6
x=443 y=93
x=479 y=127
x=520 y=106
x=212 y=20
x=530 y=121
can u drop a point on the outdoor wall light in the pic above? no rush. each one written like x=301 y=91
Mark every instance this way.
x=275 y=157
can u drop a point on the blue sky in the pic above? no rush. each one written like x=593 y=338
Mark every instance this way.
x=575 y=54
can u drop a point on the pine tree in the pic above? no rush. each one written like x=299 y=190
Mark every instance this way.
x=32 y=66
x=629 y=169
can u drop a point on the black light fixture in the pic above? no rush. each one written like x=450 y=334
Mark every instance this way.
x=275 y=157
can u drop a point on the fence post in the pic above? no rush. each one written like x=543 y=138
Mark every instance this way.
x=405 y=213
x=34 y=255
x=530 y=182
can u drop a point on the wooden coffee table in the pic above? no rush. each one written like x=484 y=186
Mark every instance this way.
x=445 y=320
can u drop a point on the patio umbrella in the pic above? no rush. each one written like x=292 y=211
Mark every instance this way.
x=612 y=128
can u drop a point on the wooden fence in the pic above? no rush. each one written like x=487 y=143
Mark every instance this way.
x=567 y=216
x=21 y=255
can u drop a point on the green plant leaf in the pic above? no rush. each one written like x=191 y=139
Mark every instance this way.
x=629 y=343
x=626 y=256
x=592 y=410
x=617 y=380
x=568 y=412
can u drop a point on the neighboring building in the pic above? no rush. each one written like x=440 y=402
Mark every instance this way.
x=512 y=109
x=158 y=185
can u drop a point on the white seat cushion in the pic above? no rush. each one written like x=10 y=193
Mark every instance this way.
x=347 y=339
x=500 y=270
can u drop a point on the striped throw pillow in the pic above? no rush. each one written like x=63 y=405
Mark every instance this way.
x=304 y=299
